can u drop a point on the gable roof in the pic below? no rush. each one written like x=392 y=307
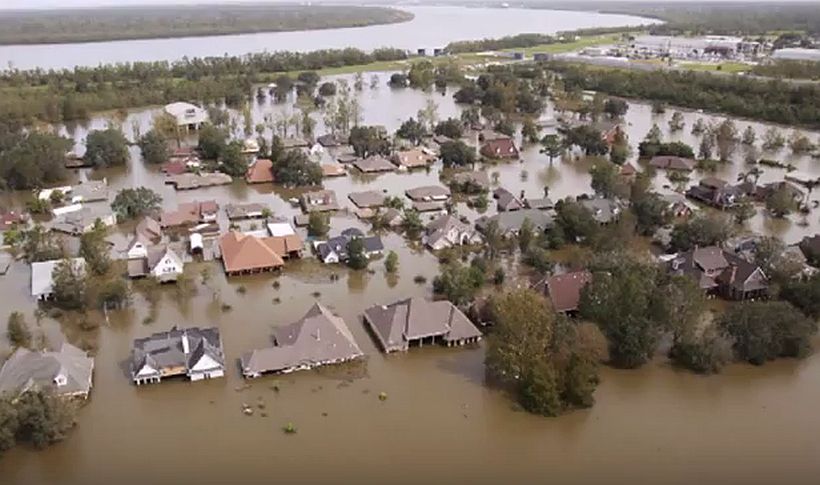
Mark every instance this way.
x=284 y=245
x=499 y=148
x=506 y=200
x=428 y=192
x=367 y=199
x=149 y=228
x=416 y=318
x=412 y=158
x=243 y=252
x=375 y=163
x=167 y=350
x=28 y=370
x=319 y=337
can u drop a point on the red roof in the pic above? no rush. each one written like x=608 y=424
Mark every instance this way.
x=500 y=148
x=9 y=219
x=174 y=168
x=260 y=172
x=565 y=289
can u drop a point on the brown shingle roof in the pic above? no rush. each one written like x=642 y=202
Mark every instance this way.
x=500 y=148
x=565 y=289
x=284 y=245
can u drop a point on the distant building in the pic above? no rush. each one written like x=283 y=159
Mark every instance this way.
x=796 y=54
x=318 y=338
x=245 y=254
x=187 y=115
x=428 y=193
x=195 y=353
x=67 y=372
x=417 y=321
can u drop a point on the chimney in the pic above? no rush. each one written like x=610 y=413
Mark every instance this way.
x=185 y=347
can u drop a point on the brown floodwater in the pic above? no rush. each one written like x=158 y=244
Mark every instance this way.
x=440 y=423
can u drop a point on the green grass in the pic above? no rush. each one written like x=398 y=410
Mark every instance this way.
x=730 y=67
x=562 y=48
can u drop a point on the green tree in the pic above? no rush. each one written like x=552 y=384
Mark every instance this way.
x=702 y=230
x=459 y=283
x=327 y=89
x=412 y=224
x=766 y=330
x=412 y=131
x=804 y=294
x=232 y=161
x=70 y=283
x=615 y=107
x=154 y=147
x=743 y=211
x=606 y=180
x=106 y=148
x=38 y=244
x=551 y=146
x=707 y=146
x=654 y=135
x=676 y=122
x=621 y=299
x=212 y=141
x=773 y=139
x=780 y=202
x=529 y=131
x=318 y=224
x=134 y=203
x=587 y=138
x=94 y=249
x=726 y=139
x=800 y=143
x=526 y=234
x=356 y=257
x=391 y=263
x=42 y=418
x=295 y=169
x=551 y=363
x=369 y=140
x=451 y=128
x=17 y=331
x=456 y=154
x=749 y=136
x=650 y=213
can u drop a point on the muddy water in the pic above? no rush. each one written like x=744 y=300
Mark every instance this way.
x=439 y=423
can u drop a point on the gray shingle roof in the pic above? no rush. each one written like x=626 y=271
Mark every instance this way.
x=318 y=338
x=42 y=280
x=166 y=351
x=27 y=370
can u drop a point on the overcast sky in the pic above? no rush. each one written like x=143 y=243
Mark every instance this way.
x=28 y=4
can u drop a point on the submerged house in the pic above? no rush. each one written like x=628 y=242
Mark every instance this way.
x=715 y=192
x=319 y=201
x=720 y=272
x=506 y=201
x=447 y=231
x=67 y=372
x=187 y=115
x=428 y=193
x=159 y=262
x=417 y=321
x=564 y=290
x=318 y=338
x=260 y=172
x=195 y=353
x=509 y=223
x=499 y=148
x=334 y=250
x=247 y=254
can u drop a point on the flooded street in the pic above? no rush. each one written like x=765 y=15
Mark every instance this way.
x=439 y=423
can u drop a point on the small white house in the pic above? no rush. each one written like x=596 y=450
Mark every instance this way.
x=138 y=247
x=165 y=265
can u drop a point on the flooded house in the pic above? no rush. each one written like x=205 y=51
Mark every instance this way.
x=501 y=148
x=369 y=199
x=721 y=272
x=260 y=172
x=318 y=338
x=252 y=210
x=190 y=213
x=668 y=162
x=248 y=254
x=67 y=372
x=509 y=223
x=195 y=353
x=319 y=201
x=187 y=115
x=447 y=231
x=159 y=262
x=42 y=276
x=415 y=322
x=564 y=290
x=82 y=221
x=428 y=193
x=334 y=250
x=374 y=164
x=412 y=159
x=506 y=201
x=604 y=211
x=715 y=192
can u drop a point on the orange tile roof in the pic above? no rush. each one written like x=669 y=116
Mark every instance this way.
x=260 y=172
x=242 y=252
x=284 y=245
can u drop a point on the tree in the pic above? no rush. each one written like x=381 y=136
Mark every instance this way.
x=318 y=224
x=707 y=146
x=459 y=283
x=800 y=143
x=743 y=211
x=470 y=116
x=773 y=140
x=573 y=223
x=676 y=122
x=69 y=285
x=606 y=180
x=780 y=202
x=17 y=331
x=749 y=136
x=154 y=147
x=804 y=295
x=615 y=107
x=311 y=78
x=493 y=239
x=428 y=116
x=295 y=169
x=622 y=300
x=232 y=161
x=134 y=203
x=327 y=89
x=551 y=363
x=32 y=159
x=726 y=139
x=391 y=263
x=37 y=417
x=766 y=330
x=650 y=213
x=411 y=223
x=587 y=138
x=38 y=244
x=356 y=257
x=699 y=127
x=451 y=128
x=421 y=75
x=526 y=234
x=702 y=230
x=412 y=131
x=164 y=125
x=704 y=352
x=456 y=154
x=369 y=140
x=551 y=146
x=94 y=249
x=654 y=135
x=212 y=141
x=529 y=131
x=106 y=148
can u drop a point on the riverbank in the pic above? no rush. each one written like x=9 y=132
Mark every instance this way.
x=66 y=26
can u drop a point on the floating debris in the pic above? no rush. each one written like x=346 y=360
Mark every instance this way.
x=324 y=415
x=277 y=300
x=382 y=396
x=274 y=388
x=289 y=428
x=263 y=414
x=276 y=284
x=247 y=410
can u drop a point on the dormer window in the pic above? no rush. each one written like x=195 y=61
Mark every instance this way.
x=60 y=380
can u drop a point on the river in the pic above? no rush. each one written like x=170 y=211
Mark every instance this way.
x=431 y=27
x=440 y=423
